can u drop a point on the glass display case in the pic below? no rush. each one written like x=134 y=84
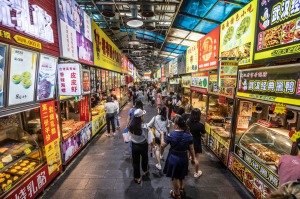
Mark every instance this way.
x=20 y=154
x=199 y=101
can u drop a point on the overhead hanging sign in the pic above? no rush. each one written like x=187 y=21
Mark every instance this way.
x=200 y=80
x=158 y=73
x=175 y=66
x=174 y=81
x=75 y=27
x=3 y=53
x=237 y=34
x=107 y=55
x=208 y=48
x=181 y=63
x=278 y=29
x=192 y=58
x=228 y=74
x=186 y=81
x=30 y=24
x=163 y=70
x=275 y=84
x=69 y=79
x=170 y=71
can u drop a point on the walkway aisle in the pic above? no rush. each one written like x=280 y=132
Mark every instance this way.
x=103 y=170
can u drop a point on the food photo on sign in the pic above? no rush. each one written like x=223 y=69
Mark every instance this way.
x=2 y=69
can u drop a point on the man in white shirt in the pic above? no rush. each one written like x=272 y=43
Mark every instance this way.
x=116 y=116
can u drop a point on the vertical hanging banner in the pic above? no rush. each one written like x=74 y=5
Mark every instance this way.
x=69 y=79
x=170 y=72
x=192 y=58
x=228 y=74
x=31 y=24
x=86 y=81
x=158 y=73
x=181 y=64
x=107 y=54
x=163 y=70
x=3 y=60
x=175 y=66
x=208 y=48
x=75 y=31
x=84 y=109
x=237 y=34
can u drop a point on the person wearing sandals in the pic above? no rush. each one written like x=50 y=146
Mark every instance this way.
x=160 y=122
x=197 y=129
x=177 y=162
x=139 y=145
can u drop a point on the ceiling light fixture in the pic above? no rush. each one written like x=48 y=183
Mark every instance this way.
x=134 y=40
x=134 y=21
x=108 y=10
x=147 y=10
x=115 y=24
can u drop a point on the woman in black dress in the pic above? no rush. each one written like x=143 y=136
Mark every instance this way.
x=196 y=129
x=177 y=163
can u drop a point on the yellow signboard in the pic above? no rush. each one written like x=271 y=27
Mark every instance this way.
x=53 y=157
x=186 y=81
x=27 y=42
x=106 y=53
x=237 y=34
x=192 y=58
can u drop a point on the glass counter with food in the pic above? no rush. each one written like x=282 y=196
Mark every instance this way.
x=199 y=100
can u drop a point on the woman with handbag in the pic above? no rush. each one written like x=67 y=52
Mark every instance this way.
x=160 y=123
x=140 y=139
x=177 y=163
x=110 y=109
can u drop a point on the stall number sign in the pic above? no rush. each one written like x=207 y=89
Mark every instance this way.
x=69 y=79
x=263 y=171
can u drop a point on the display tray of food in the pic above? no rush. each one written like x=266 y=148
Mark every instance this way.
x=261 y=153
x=7 y=180
x=221 y=132
x=70 y=128
x=35 y=123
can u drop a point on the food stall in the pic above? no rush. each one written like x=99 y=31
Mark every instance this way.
x=268 y=113
x=185 y=89
x=174 y=84
x=220 y=109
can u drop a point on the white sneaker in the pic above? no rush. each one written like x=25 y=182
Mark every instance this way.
x=114 y=134
x=197 y=175
x=107 y=135
x=158 y=166
x=161 y=157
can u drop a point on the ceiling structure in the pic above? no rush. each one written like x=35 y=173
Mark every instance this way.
x=169 y=26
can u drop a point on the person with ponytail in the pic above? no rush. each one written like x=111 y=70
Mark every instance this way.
x=177 y=162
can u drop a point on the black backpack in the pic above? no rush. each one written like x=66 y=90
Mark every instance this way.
x=132 y=127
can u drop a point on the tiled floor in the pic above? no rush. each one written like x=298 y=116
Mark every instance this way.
x=103 y=170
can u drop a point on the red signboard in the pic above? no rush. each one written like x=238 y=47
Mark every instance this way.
x=84 y=109
x=86 y=81
x=163 y=79
x=208 y=48
x=163 y=70
x=33 y=185
x=30 y=24
x=49 y=122
x=199 y=90
x=124 y=64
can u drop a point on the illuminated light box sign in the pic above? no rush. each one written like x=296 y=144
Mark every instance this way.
x=192 y=58
x=69 y=79
x=228 y=74
x=30 y=24
x=276 y=84
x=186 y=81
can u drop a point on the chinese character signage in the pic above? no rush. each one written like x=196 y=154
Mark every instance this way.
x=175 y=66
x=277 y=84
x=208 y=48
x=213 y=83
x=86 y=82
x=22 y=76
x=53 y=157
x=3 y=50
x=30 y=23
x=181 y=63
x=228 y=74
x=46 y=77
x=124 y=63
x=170 y=64
x=69 y=79
x=107 y=55
x=237 y=34
x=163 y=70
x=278 y=29
x=84 y=113
x=186 y=81
x=192 y=58
x=200 y=80
x=158 y=73
x=75 y=26
x=174 y=81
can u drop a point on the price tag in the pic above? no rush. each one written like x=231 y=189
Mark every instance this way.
x=27 y=151
x=207 y=127
x=1 y=165
x=31 y=169
x=7 y=187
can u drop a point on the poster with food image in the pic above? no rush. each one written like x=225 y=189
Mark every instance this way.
x=237 y=35
x=22 y=76
x=200 y=80
x=245 y=108
x=3 y=49
x=86 y=81
x=278 y=30
x=192 y=58
x=46 y=77
x=186 y=81
x=228 y=74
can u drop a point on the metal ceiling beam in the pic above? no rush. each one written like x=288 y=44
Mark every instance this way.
x=199 y=18
x=165 y=2
x=144 y=20
x=128 y=11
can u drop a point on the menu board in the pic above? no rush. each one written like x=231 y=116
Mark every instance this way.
x=200 y=80
x=75 y=27
x=174 y=81
x=69 y=79
x=192 y=58
x=228 y=74
x=181 y=64
x=107 y=55
x=237 y=34
x=86 y=81
x=275 y=84
x=22 y=76
x=46 y=77
x=278 y=29
x=213 y=83
x=186 y=81
x=31 y=24
x=93 y=79
x=208 y=48
x=170 y=71
x=3 y=49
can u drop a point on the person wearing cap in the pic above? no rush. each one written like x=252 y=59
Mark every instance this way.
x=139 y=145
x=289 y=165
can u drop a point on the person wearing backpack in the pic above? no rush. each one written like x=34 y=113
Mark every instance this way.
x=139 y=141
x=159 y=122
x=197 y=129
